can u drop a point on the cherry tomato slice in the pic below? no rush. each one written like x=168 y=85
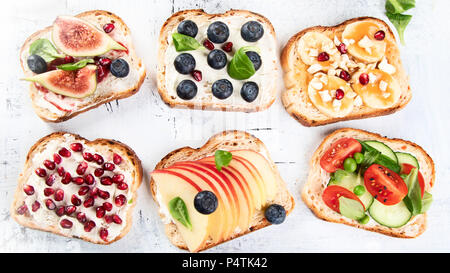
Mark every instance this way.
x=333 y=158
x=331 y=196
x=406 y=169
x=385 y=185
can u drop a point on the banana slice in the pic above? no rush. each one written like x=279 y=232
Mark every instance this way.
x=363 y=45
x=312 y=44
x=382 y=91
x=322 y=91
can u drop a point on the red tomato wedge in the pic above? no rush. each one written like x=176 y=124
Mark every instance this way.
x=331 y=196
x=333 y=158
x=406 y=169
x=385 y=185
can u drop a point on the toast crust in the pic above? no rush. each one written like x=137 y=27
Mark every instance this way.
x=295 y=98
x=229 y=140
x=111 y=144
x=318 y=179
x=171 y=23
x=47 y=115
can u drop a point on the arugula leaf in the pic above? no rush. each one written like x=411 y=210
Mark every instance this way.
x=222 y=158
x=75 y=66
x=426 y=202
x=399 y=6
x=45 y=49
x=179 y=212
x=413 y=199
x=240 y=66
x=351 y=208
x=185 y=43
x=400 y=21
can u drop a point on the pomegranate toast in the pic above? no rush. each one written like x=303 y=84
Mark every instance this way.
x=344 y=72
x=78 y=188
x=80 y=63
x=222 y=200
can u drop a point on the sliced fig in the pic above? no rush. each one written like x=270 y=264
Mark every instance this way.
x=75 y=84
x=79 y=38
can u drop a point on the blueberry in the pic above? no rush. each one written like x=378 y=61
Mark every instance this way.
x=218 y=32
x=255 y=58
x=184 y=63
x=222 y=89
x=37 y=64
x=187 y=27
x=249 y=91
x=275 y=214
x=119 y=68
x=217 y=59
x=252 y=31
x=186 y=89
x=205 y=202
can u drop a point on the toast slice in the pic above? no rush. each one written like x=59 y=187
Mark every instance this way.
x=229 y=141
x=42 y=218
x=266 y=77
x=295 y=98
x=318 y=179
x=55 y=108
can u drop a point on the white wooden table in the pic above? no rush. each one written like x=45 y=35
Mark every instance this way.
x=152 y=129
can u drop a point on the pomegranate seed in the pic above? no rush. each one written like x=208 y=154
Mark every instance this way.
x=94 y=192
x=89 y=226
x=57 y=159
x=50 y=204
x=108 y=27
x=88 y=202
x=340 y=94
x=208 y=44
x=122 y=186
x=99 y=159
x=64 y=152
x=106 y=180
x=41 y=172
x=59 y=195
x=227 y=47
x=117 y=178
x=83 y=190
x=103 y=194
x=65 y=223
x=342 y=48
x=22 y=209
x=109 y=166
x=120 y=200
x=100 y=212
x=98 y=172
x=66 y=179
x=70 y=210
x=50 y=179
x=28 y=189
x=102 y=72
x=49 y=164
x=76 y=147
x=104 y=61
x=69 y=59
x=61 y=171
x=78 y=180
x=379 y=35
x=364 y=78
x=117 y=159
x=117 y=219
x=75 y=200
x=60 y=211
x=107 y=206
x=197 y=74
x=48 y=191
x=344 y=75
x=323 y=57
x=81 y=169
x=81 y=217
x=88 y=157
x=89 y=179
x=104 y=234
x=36 y=205
x=108 y=219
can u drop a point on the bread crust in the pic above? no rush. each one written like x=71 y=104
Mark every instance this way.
x=49 y=116
x=111 y=144
x=228 y=140
x=302 y=113
x=318 y=179
x=172 y=22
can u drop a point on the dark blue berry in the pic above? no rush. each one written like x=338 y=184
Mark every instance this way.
x=217 y=59
x=255 y=58
x=184 y=63
x=222 y=89
x=249 y=91
x=119 y=68
x=187 y=27
x=252 y=31
x=187 y=90
x=218 y=32
x=37 y=64
x=275 y=214
x=205 y=202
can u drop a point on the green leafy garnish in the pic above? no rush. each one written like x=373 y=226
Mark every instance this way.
x=369 y=158
x=351 y=208
x=338 y=175
x=185 y=43
x=240 y=66
x=413 y=199
x=399 y=6
x=45 y=49
x=378 y=158
x=400 y=22
x=75 y=66
x=179 y=212
x=426 y=201
x=222 y=158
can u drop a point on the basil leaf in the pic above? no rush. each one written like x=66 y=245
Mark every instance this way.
x=369 y=158
x=75 y=66
x=413 y=199
x=45 y=49
x=222 y=158
x=351 y=208
x=399 y=6
x=426 y=202
x=338 y=175
x=185 y=43
x=400 y=21
x=381 y=159
x=179 y=212
x=240 y=66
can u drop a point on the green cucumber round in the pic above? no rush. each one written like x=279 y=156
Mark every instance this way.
x=350 y=182
x=407 y=158
x=382 y=148
x=390 y=216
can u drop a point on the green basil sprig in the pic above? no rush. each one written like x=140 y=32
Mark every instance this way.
x=394 y=10
x=399 y=6
x=179 y=212
x=74 y=66
x=351 y=208
x=240 y=66
x=376 y=157
x=45 y=49
x=222 y=158
x=185 y=43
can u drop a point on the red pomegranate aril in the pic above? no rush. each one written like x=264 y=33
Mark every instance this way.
x=61 y=171
x=89 y=179
x=59 y=195
x=81 y=217
x=70 y=210
x=88 y=156
x=22 y=209
x=106 y=180
x=99 y=159
x=102 y=72
x=379 y=35
x=69 y=59
x=76 y=147
x=64 y=152
x=109 y=167
x=75 y=200
x=323 y=57
x=98 y=172
x=117 y=219
x=107 y=206
x=56 y=158
x=50 y=204
x=227 y=47
x=339 y=94
x=94 y=192
x=364 y=78
x=48 y=191
x=28 y=189
x=50 y=179
x=120 y=200
x=49 y=164
x=208 y=44
x=342 y=48
x=122 y=186
x=88 y=202
x=89 y=226
x=197 y=75
x=41 y=172
x=117 y=159
x=117 y=178
x=104 y=61
x=66 y=179
x=108 y=219
x=60 y=211
x=344 y=75
x=108 y=27
x=100 y=212
x=103 y=194
x=104 y=234
x=66 y=223
x=81 y=169
x=36 y=205
x=78 y=180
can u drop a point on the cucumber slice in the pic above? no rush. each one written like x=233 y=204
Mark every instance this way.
x=349 y=182
x=390 y=216
x=407 y=158
x=382 y=148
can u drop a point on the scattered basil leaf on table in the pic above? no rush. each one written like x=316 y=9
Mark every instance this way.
x=400 y=22
x=399 y=6
x=179 y=212
x=222 y=158
x=185 y=43
x=351 y=208
x=45 y=49
x=240 y=66
x=74 y=66
x=413 y=199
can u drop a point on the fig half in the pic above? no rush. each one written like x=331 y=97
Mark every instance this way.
x=79 y=38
